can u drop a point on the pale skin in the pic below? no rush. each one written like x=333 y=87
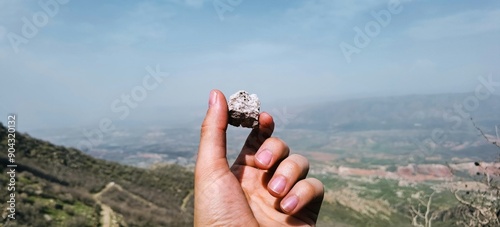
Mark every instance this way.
x=265 y=186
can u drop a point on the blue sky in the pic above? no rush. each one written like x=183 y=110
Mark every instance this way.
x=90 y=53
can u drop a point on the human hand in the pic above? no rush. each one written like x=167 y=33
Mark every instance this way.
x=264 y=187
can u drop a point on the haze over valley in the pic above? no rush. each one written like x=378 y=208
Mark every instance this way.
x=378 y=151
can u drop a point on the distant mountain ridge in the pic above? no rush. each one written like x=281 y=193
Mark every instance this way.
x=64 y=187
x=408 y=120
x=400 y=112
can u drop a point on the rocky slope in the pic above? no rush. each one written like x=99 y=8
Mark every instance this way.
x=58 y=186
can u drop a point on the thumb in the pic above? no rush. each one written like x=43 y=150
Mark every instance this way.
x=212 y=150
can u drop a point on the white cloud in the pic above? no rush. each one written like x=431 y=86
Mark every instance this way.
x=461 y=24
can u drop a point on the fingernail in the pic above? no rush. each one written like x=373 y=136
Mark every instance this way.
x=278 y=184
x=289 y=203
x=213 y=98
x=264 y=157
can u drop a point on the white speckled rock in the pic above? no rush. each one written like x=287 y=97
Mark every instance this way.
x=244 y=109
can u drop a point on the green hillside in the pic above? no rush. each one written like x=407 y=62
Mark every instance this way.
x=58 y=186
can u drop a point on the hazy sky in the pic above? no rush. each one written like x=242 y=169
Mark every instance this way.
x=69 y=63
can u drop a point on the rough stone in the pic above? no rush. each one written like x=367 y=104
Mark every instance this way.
x=244 y=109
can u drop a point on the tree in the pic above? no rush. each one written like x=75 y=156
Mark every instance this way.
x=421 y=213
x=482 y=205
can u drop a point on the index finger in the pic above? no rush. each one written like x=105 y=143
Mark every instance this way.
x=255 y=139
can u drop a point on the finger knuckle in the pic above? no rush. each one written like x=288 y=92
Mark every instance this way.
x=293 y=165
x=318 y=184
x=205 y=128
x=277 y=142
x=301 y=160
x=307 y=186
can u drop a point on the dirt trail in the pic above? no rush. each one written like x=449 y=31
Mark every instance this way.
x=134 y=196
x=186 y=200
x=108 y=217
